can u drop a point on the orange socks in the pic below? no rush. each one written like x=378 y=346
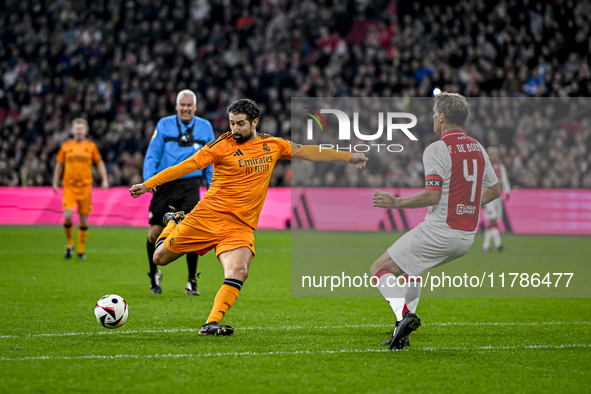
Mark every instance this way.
x=224 y=299
x=69 y=230
x=82 y=234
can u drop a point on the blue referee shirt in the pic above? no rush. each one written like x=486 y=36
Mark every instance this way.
x=161 y=154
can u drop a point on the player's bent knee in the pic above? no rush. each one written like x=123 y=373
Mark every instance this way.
x=238 y=273
x=377 y=266
x=385 y=262
x=68 y=215
x=161 y=258
x=374 y=269
x=158 y=259
x=162 y=261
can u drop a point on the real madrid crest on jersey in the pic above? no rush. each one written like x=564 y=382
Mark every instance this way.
x=266 y=148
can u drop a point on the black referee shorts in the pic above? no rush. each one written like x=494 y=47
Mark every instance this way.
x=182 y=194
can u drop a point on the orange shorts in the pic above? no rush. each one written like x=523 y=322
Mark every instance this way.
x=204 y=229
x=78 y=195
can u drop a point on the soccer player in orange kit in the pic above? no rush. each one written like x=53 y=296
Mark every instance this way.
x=75 y=158
x=226 y=216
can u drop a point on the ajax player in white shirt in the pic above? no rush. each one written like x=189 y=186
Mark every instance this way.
x=459 y=179
x=494 y=209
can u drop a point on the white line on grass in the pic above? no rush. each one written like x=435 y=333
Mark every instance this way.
x=283 y=353
x=175 y=330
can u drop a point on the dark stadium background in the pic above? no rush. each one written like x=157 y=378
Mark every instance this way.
x=120 y=63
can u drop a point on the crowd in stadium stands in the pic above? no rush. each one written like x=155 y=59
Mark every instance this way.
x=543 y=140
x=119 y=64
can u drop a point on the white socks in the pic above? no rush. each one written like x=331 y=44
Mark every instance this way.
x=412 y=293
x=401 y=298
x=493 y=234
x=496 y=236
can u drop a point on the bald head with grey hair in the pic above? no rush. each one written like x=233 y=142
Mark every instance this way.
x=186 y=105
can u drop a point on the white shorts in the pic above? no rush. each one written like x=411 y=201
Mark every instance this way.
x=424 y=248
x=494 y=209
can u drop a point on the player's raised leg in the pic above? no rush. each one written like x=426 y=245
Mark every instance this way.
x=163 y=256
x=236 y=264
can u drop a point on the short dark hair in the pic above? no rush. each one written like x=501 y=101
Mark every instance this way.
x=454 y=106
x=246 y=107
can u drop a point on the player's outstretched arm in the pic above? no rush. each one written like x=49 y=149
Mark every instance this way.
x=170 y=174
x=358 y=159
x=318 y=153
x=137 y=190
x=426 y=198
x=490 y=193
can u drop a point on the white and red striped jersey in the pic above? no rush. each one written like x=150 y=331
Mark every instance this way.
x=459 y=167
x=501 y=174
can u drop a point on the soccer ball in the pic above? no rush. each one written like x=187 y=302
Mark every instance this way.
x=111 y=311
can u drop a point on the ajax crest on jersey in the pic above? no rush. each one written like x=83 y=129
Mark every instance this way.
x=111 y=311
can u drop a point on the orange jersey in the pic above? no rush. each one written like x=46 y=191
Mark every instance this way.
x=77 y=158
x=241 y=171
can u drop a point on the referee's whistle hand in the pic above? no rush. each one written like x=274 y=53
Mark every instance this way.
x=138 y=190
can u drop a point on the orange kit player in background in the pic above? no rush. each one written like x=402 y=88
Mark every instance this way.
x=226 y=216
x=75 y=157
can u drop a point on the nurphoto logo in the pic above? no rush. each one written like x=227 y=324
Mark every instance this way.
x=344 y=132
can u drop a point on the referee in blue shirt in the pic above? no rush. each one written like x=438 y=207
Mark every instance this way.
x=175 y=139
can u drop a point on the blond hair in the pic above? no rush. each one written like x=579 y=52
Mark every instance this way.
x=454 y=106
x=81 y=121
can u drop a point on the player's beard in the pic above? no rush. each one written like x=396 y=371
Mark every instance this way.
x=239 y=139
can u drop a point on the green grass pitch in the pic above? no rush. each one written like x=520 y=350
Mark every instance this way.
x=50 y=341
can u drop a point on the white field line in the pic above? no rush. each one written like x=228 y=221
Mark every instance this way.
x=287 y=328
x=283 y=353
